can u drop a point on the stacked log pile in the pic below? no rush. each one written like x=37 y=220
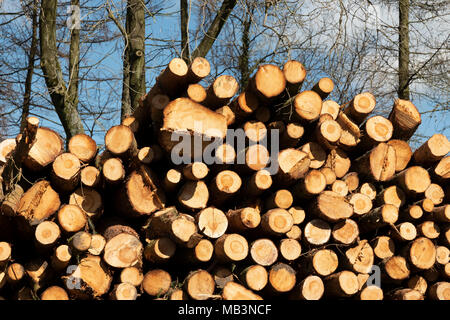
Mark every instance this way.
x=343 y=210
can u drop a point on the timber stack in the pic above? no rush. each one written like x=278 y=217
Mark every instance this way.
x=309 y=199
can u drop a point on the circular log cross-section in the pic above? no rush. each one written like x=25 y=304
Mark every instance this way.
x=89 y=200
x=383 y=247
x=119 y=140
x=413 y=180
x=324 y=87
x=276 y=221
x=360 y=107
x=342 y=284
x=47 y=146
x=194 y=195
x=317 y=232
x=281 y=278
x=113 y=171
x=332 y=207
x=433 y=150
x=403 y=153
x=231 y=247
x=317 y=156
x=295 y=74
x=199 y=285
x=54 y=293
x=345 y=232
x=83 y=147
x=124 y=291
x=311 y=288
x=269 y=81
x=123 y=250
x=71 y=218
x=156 y=282
x=263 y=252
x=90 y=176
x=132 y=275
x=361 y=203
x=324 y=262
x=212 y=222
x=196 y=92
x=308 y=105
x=422 y=253
x=243 y=219
x=66 y=172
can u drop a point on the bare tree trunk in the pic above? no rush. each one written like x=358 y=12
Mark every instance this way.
x=403 y=52
x=244 y=58
x=184 y=15
x=214 y=29
x=135 y=26
x=30 y=70
x=65 y=105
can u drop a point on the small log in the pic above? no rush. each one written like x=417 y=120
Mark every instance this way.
x=255 y=131
x=340 y=187
x=298 y=214
x=341 y=284
x=439 y=291
x=178 y=227
x=339 y=162
x=383 y=247
x=290 y=249
x=413 y=180
x=263 y=252
x=71 y=218
x=442 y=255
x=140 y=195
x=231 y=248
x=46 y=235
x=195 y=171
x=80 y=242
x=280 y=199
x=441 y=214
x=405 y=294
x=259 y=182
x=224 y=185
x=432 y=151
x=313 y=184
x=330 y=107
x=89 y=200
x=405 y=118
x=146 y=155
x=360 y=258
x=255 y=277
x=310 y=288
x=54 y=293
x=194 y=195
x=295 y=233
x=371 y=293
x=212 y=222
x=221 y=91
x=403 y=153
x=93 y=277
x=132 y=275
x=159 y=250
x=345 y=232
x=295 y=74
x=360 y=107
x=391 y=195
x=15 y=274
x=282 y=278
x=196 y=93
x=119 y=140
x=5 y=253
x=352 y=181
x=228 y=113
x=202 y=252
x=323 y=87
x=429 y=229
x=418 y=283
x=156 y=282
x=66 y=172
x=124 y=291
x=257 y=157
x=292 y=134
x=198 y=70
x=132 y=123
x=276 y=222
x=38 y=203
x=90 y=176
x=307 y=106
x=98 y=243
x=350 y=132
x=47 y=146
x=172 y=80
x=268 y=83
x=113 y=171
x=235 y=291
x=83 y=147
x=403 y=232
x=377 y=164
x=317 y=232
x=7 y=146
x=225 y=154
x=245 y=104
x=61 y=257
x=361 y=203
x=172 y=180
x=199 y=285
x=369 y=190
x=293 y=164
x=327 y=133
x=441 y=171
x=330 y=176
x=421 y=253
x=377 y=129
x=379 y=217
x=243 y=219
x=331 y=207
x=435 y=193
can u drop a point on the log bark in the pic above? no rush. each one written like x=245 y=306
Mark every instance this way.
x=360 y=107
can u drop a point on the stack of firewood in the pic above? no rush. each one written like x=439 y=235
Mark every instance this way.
x=310 y=199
